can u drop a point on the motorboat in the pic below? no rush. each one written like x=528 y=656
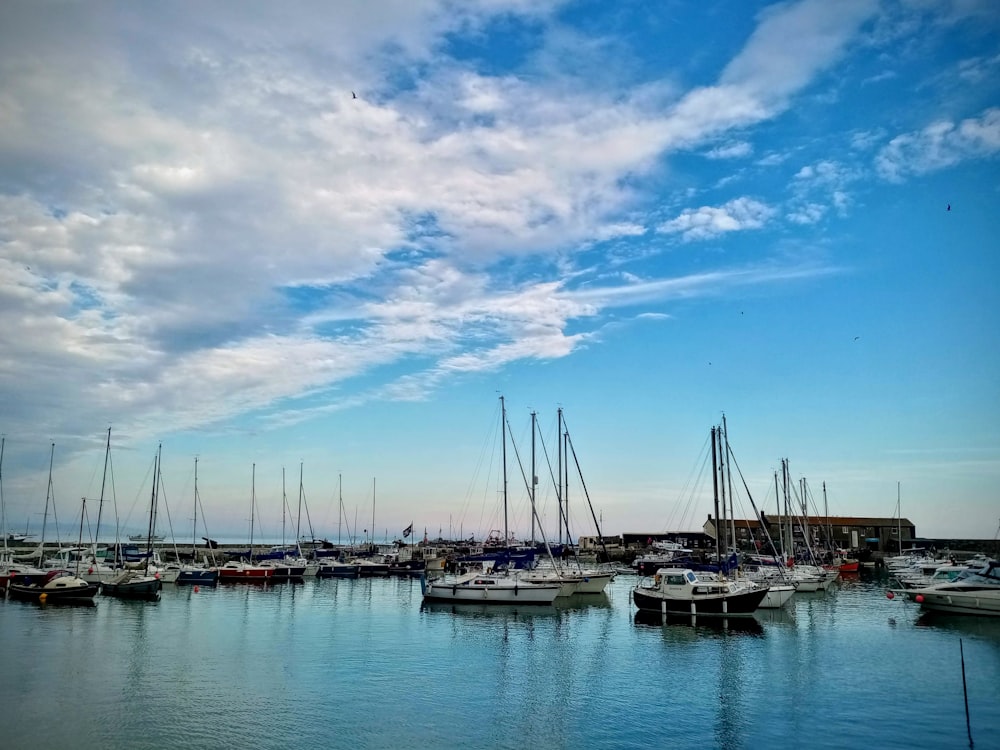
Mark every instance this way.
x=975 y=591
x=682 y=591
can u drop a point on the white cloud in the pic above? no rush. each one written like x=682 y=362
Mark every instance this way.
x=810 y=213
x=711 y=221
x=199 y=221
x=940 y=145
x=735 y=150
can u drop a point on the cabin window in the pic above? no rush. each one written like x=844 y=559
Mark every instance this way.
x=691 y=577
x=675 y=580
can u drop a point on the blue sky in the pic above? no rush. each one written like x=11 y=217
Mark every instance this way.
x=328 y=237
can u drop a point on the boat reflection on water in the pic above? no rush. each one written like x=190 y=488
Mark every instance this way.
x=707 y=625
x=582 y=601
x=498 y=611
x=968 y=625
x=560 y=604
x=782 y=616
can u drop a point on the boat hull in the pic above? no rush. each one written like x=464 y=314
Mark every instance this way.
x=485 y=591
x=718 y=605
x=244 y=574
x=340 y=570
x=777 y=596
x=144 y=587
x=70 y=591
x=198 y=577
x=985 y=602
x=594 y=583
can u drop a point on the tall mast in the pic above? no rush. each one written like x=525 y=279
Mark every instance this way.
x=45 y=516
x=534 y=479
x=100 y=505
x=724 y=518
x=781 y=525
x=564 y=517
x=253 y=501
x=194 y=530
x=559 y=469
x=826 y=515
x=298 y=519
x=719 y=528
x=284 y=504
x=152 y=507
x=3 y=508
x=79 y=543
x=503 y=443
x=340 y=495
x=373 y=515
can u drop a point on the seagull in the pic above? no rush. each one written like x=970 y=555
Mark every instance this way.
x=949 y=207
x=856 y=338
x=355 y=96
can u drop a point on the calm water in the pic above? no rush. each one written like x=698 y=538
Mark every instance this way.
x=361 y=664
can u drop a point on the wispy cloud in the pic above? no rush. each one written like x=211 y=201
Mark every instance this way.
x=735 y=150
x=200 y=220
x=940 y=145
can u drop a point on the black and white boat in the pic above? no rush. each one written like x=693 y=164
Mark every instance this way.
x=679 y=590
x=682 y=591
x=132 y=583
x=60 y=587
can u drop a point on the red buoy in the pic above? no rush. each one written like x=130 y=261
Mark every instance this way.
x=919 y=598
x=889 y=595
x=196 y=589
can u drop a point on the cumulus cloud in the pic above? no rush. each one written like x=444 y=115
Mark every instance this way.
x=199 y=220
x=711 y=221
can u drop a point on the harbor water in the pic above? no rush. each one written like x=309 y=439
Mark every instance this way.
x=365 y=664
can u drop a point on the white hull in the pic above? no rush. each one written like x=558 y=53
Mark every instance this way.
x=777 y=596
x=594 y=582
x=973 y=592
x=489 y=589
x=573 y=581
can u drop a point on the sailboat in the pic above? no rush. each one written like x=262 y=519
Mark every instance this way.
x=57 y=586
x=283 y=566
x=491 y=586
x=368 y=565
x=193 y=573
x=135 y=584
x=575 y=578
x=245 y=570
x=682 y=591
x=329 y=558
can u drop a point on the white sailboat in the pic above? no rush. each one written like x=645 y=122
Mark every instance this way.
x=490 y=586
x=134 y=583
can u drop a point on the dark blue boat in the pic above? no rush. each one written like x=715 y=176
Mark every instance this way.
x=190 y=575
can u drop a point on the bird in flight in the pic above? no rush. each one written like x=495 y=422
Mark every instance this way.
x=355 y=96
x=949 y=207
x=856 y=338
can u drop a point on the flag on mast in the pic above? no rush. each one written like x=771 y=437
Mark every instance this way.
x=408 y=530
